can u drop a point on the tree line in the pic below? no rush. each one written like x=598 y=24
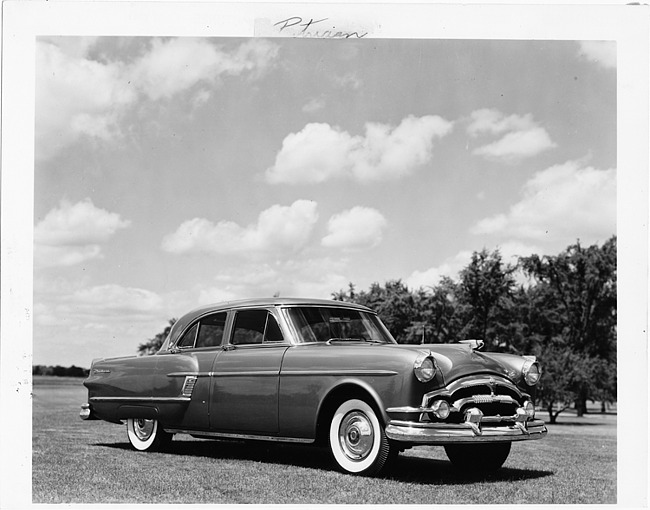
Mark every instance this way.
x=60 y=371
x=560 y=308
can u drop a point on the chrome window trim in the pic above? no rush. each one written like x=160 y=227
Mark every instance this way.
x=284 y=311
x=273 y=310
x=172 y=348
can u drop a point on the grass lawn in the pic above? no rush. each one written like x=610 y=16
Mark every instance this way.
x=91 y=462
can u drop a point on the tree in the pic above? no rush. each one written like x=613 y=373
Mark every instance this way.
x=437 y=320
x=484 y=292
x=579 y=316
x=394 y=303
x=153 y=345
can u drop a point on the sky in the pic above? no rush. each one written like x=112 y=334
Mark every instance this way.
x=175 y=172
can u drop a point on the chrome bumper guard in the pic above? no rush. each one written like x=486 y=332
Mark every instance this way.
x=475 y=429
x=85 y=413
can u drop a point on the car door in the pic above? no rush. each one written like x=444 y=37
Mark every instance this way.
x=186 y=369
x=246 y=375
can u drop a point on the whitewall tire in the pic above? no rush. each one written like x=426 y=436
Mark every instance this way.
x=146 y=435
x=357 y=440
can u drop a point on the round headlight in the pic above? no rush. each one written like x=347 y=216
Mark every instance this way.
x=424 y=367
x=531 y=372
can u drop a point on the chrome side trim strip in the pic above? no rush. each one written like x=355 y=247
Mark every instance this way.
x=228 y=435
x=264 y=373
x=247 y=373
x=380 y=373
x=144 y=400
x=268 y=373
x=189 y=374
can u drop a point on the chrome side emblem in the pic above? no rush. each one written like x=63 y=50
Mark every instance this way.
x=188 y=386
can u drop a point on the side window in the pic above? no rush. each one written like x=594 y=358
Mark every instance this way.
x=272 y=333
x=211 y=330
x=255 y=327
x=188 y=337
x=249 y=327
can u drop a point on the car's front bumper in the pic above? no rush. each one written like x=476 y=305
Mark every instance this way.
x=448 y=433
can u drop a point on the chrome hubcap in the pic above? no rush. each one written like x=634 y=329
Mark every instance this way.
x=143 y=428
x=356 y=435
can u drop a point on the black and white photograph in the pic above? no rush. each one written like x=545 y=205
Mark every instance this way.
x=324 y=254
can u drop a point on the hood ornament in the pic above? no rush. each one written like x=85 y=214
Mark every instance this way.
x=475 y=345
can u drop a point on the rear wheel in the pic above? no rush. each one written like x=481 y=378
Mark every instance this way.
x=147 y=435
x=478 y=458
x=357 y=440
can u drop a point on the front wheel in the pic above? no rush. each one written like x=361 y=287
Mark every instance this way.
x=478 y=458
x=147 y=435
x=357 y=440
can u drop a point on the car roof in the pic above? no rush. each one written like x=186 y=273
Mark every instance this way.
x=273 y=301
x=190 y=316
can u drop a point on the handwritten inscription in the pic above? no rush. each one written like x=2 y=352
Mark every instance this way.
x=299 y=27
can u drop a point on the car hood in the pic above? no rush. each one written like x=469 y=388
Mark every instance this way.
x=457 y=361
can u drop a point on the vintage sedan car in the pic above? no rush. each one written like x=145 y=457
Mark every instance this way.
x=318 y=372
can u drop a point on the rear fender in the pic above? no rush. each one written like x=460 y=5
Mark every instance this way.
x=138 y=412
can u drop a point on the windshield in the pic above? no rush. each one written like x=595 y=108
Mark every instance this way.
x=325 y=324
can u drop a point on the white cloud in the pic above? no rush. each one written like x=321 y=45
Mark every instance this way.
x=279 y=229
x=601 y=52
x=175 y=65
x=76 y=305
x=521 y=136
x=114 y=301
x=78 y=96
x=75 y=323
x=517 y=145
x=74 y=233
x=490 y=121
x=314 y=105
x=354 y=229
x=510 y=252
x=320 y=152
x=432 y=276
x=315 y=154
x=564 y=202
x=306 y=277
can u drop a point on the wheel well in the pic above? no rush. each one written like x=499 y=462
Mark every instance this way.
x=333 y=400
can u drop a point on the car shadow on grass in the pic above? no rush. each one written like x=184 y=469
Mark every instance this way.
x=408 y=469
x=441 y=472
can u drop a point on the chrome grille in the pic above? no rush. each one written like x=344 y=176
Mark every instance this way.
x=494 y=396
